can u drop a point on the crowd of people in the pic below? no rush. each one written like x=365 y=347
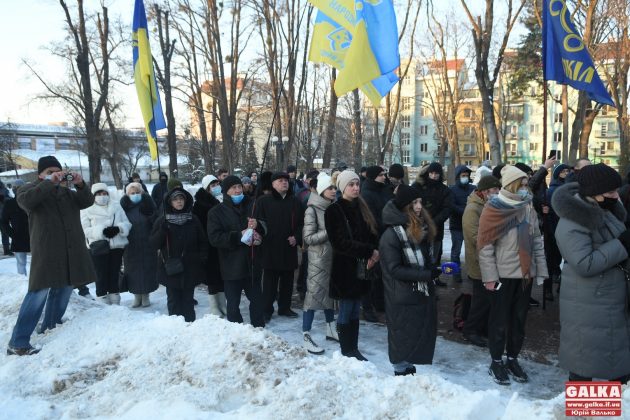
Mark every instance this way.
x=366 y=245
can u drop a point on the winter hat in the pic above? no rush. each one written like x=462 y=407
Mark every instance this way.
x=405 y=195
x=523 y=167
x=496 y=172
x=207 y=180
x=312 y=174
x=278 y=175
x=396 y=171
x=488 y=182
x=176 y=192
x=435 y=167
x=246 y=180
x=323 y=182
x=510 y=174
x=373 y=171
x=363 y=169
x=99 y=186
x=344 y=178
x=558 y=169
x=46 y=162
x=131 y=185
x=291 y=168
x=173 y=183
x=229 y=182
x=598 y=179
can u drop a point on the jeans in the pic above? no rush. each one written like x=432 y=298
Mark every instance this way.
x=308 y=316
x=457 y=239
x=181 y=302
x=20 y=260
x=233 y=290
x=402 y=366
x=271 y=279
x=31 y=310
x=349 y=310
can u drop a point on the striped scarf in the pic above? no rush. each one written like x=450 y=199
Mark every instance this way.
x=178 y=218
x=412 y=257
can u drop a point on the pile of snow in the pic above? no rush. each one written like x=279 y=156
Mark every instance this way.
x=114 y=361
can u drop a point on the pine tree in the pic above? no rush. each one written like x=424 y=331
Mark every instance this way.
x=527 y=66
x=251 y=160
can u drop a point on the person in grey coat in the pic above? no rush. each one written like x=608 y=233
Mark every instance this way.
x=323 y=193
x=140 y=259
x=595 y=244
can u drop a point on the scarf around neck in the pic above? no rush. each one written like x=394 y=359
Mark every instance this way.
x=412 y=257
x=178 y=218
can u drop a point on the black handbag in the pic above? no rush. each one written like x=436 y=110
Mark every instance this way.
x=172 y=265
x=100 y=247
x=362 y=271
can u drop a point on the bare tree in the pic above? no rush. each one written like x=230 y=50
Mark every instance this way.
x=8 y=144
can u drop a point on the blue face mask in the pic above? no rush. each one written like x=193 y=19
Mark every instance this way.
x=464 y=180
x=216 y=191
x=135 y=198
x=236 y=199
x=524 y=193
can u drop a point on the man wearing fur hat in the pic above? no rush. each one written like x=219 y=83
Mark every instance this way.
x=60 y=259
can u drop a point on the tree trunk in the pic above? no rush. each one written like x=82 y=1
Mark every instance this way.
x=576 y=127
x=587 y=127
x=491 y=129
x=332 y=119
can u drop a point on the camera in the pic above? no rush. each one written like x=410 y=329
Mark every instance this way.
x=67 y=177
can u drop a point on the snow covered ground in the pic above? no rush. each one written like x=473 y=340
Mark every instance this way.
x=118 y=362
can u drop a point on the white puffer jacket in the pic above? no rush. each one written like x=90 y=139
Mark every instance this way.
x=96 y=218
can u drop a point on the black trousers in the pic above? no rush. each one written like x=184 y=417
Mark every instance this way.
x=552 y=253
x=477 y=321
x=437 y=247
x=180 y=302
x=271 y=280
x=233 y=289
x=508 y=313
x=107 y=271
x=301 y=281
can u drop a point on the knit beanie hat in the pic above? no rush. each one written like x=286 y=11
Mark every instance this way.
x=598 y=179
x=229 y=182
x=207 y=180
x=323 y=182
x=405 y=195
x=99 y=186
x=174 y=183
x=435 y=167
x=523 y=167
x=488 y=182
x=396 y=171
x=136 y=185
x=46 y=162
x=291 y=168
x=344 y=178
x=496 y=172
x=373 y=171
x=246 y=180
x=510 y=174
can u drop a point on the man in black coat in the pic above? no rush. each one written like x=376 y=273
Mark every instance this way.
x=14 y=222
x=283 y=217
x=438 y=200
x=159 y=191
x=227 y=223
x=461 y=190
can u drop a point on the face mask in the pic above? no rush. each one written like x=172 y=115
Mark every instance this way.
x=216 y=191
x=236 y=199
x=523 y=193
x=608 y=203
x=464 y=180
x=492 y=196
x=135 y=198
x=101 y=200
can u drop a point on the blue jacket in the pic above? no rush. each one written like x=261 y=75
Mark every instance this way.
x=460 y=197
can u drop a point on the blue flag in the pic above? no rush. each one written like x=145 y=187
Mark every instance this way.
x=565 y=57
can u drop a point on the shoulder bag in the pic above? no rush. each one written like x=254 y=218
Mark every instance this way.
x=172 y=265
x=361 y=270
x=101 y=247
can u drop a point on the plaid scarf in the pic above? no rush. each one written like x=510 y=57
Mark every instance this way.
x=412 y=257
x=178 y=218
x=498 y=218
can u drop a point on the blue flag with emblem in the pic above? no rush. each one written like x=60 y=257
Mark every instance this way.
x=565 y=57
x=144 y=77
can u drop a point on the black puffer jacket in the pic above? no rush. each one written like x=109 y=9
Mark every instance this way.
x=186 y=241
x=204 y=202
x=411 y=316
x=376 y=195
x=460 y=198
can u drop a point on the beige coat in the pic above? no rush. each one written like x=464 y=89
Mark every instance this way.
x=500 y=259
x=319 y=255
x=470 y=226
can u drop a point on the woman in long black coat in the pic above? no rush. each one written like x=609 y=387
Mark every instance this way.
x=140 y=259
x=407 y=273
x=178 y=235
x=14 y=222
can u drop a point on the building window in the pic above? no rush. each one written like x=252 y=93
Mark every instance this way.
x=424 y=130
x=64 y=145
x=424 y=112
x=405 y=156
x=406 y=104
x=405 y=121
x=534 y=128
x=610 y=145
x=405 y=139
x=533 y=147
x=24 y=143
x=468 y=113
x=557 y=137
x=557 y=117
x=469 y=150
x=468 y=162
x=407 y=80
x=424 y=147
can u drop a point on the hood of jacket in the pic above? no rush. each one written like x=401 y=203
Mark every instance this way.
x=556 y=174
x=317 y=201
x=204 y=198
x=187 y=207
x=460 y=169
x=392 y=216
x=474 y=199
x=568 y=204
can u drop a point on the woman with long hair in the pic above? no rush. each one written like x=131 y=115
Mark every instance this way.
x=511 y=257
x=407 y=278
x=353 y=234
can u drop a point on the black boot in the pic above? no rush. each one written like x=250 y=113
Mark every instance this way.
x=345 y=342
x=548 y=290
x=7 y=250
x=354 y=335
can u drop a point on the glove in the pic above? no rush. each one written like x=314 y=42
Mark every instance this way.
x=111 y=231
x=625 y=239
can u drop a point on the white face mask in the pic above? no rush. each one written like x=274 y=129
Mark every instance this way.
x=101 y=200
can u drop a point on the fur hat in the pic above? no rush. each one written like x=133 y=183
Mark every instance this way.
x=510 y=174
x=100 y=186
x=323 y=182
x=405 y=195
x=344 y=178
x=207 y=180
x=46 y=162
x=488 y=182
x=278 y=175
x=598 y=179
x=136 y=185
x=229 y=182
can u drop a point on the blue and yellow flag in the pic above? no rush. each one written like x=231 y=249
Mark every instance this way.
x=565 y=57
x=334 y=42
x=146 y=86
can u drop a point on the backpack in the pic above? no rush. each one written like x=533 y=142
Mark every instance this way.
x=461 y=307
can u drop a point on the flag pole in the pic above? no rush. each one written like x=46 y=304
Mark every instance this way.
x=545 y=99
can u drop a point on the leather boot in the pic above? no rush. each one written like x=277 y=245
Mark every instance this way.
x=354 y=331
x=345 y=343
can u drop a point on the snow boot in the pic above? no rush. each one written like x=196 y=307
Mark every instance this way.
x=146 y=302
x=104 y=299
x=21 y=351
x=516 y=371
x=331 y=331
x=354 y=331
x=498 y=372
x=222 y=303
x=114 y=298
x=310 y=345
x=214 y=305
x=137 y=301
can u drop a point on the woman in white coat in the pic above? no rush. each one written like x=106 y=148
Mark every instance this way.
x=105 y=220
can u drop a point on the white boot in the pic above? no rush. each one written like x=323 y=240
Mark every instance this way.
x=114 y=298
x=331 y=331
x=137 y=301
x=214 y=305
x=104 y=299
x=310 y=345
x=222 y=303
x=146 y=302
